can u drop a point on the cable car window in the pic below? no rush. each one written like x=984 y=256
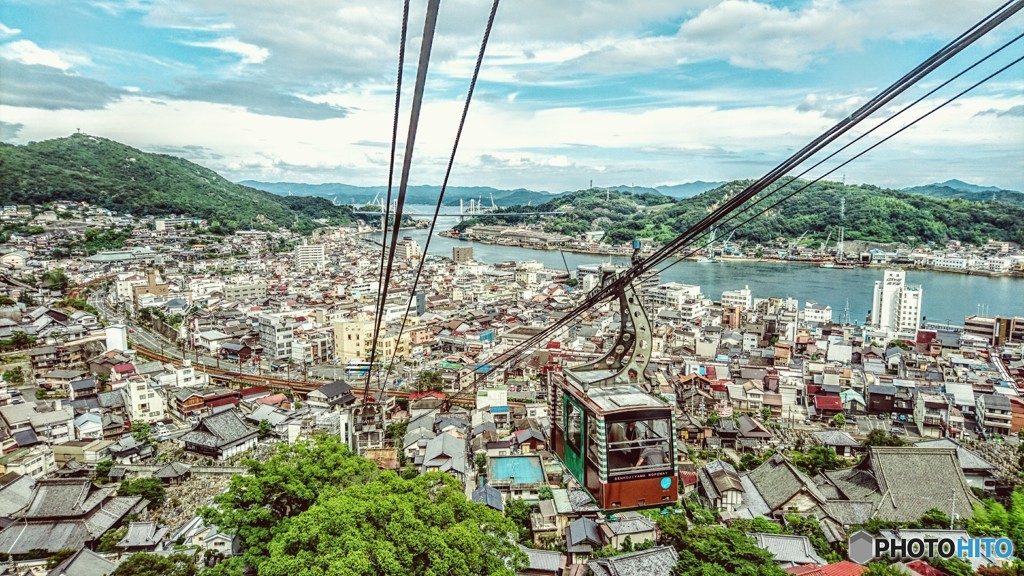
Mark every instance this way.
x=574 y=426
x=639 y=446
x=593 y=444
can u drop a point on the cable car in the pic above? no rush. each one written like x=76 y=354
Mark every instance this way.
x=609 y=430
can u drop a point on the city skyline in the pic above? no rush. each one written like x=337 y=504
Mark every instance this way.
x=661 y=93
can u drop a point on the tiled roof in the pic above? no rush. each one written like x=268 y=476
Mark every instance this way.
x=777 y=480
x=789 y=550
x=142 y=534
x=652 y=562
x=911 y=481
x=85 y=562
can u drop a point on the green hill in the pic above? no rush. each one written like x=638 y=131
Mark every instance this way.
x=872 y=213
x=120 y=178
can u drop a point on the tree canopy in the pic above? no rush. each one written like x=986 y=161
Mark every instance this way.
x=715 y=551
x=146 y=564
x=256 y=505
x=394 y=526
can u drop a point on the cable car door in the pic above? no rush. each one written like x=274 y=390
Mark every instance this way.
x=574 y=437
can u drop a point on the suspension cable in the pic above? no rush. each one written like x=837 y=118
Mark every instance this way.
x=685 y=239
x=444 y=184
x=429 y=25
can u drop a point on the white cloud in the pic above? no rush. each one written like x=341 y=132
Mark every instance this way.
x=6 y=32
x=28 y=52
x=249 y=53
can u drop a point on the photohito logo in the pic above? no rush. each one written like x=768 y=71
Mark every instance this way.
x=864 y=547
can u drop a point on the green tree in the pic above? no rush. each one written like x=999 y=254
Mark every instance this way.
x=265 y=429
x=672 y=530
x=429 y=380
x=839 y=420
x=952 y=566
x=146 y=564
x=879 y=437
x=103 y=470
x=393 y=526
x=716 y=551
x=58 y=557
x=518 y=511
x=766 y=413
x=758 y=524
x=15 y=376
x=396 y=430
x=141 y=431
x=55 y=280
x=481 y=463
x=110 y=538
x=151 y=489
x=256 y=505
x=818 y=459
x=882 y=569
x=935 y=519
x=545 y=493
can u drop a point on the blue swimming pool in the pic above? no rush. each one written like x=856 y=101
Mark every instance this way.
x=524 y=469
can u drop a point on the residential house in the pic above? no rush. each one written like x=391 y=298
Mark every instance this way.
x=336 y=394
x=221 y=436
x=789 y=550
x=719 y=486
x=994 y=414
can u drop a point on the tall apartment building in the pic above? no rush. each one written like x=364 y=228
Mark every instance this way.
x=998 y=330
x=462 y=254
x=407 y=249
x=896 y=307
x=310 y=256
x=277 y=332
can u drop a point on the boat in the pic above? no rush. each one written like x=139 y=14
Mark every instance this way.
x=827 y=265
x=707 y=260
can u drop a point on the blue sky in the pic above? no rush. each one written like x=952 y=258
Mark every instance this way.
x=643 y=92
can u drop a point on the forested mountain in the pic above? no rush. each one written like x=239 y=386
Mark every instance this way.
x=965 y=191
x=872 y=213
x=117 y=177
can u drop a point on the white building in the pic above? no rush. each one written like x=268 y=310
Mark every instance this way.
x=672 y=295
x=896 y=307
x=143 y=402
x=737 y=297
x=117 y=337
x=310 y=256
x=814 y=312
x=277 y=332
x=407 y=249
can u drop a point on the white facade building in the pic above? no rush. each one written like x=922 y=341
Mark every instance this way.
x=143 y=402
x=310 y=256
x=814 y=312
x=896 y=307
x=737 y=297
x=672 y=295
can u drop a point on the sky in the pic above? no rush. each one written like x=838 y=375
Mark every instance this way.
x=644 y=92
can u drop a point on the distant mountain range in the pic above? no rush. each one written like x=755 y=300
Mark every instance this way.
x=425 y=194
x=964 y=191
x=349 y=194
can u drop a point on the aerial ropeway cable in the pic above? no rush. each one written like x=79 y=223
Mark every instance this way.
x=429 y=25
x=687 y=238
x=447 y=176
